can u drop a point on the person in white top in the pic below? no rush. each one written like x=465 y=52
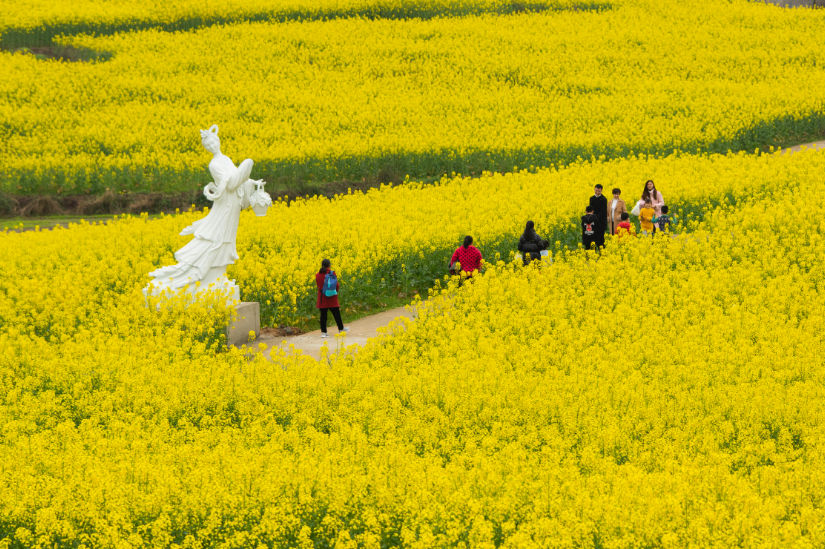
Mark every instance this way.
x=615 y=208
x=656 y=199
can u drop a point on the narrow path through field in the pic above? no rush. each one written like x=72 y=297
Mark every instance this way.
x=366 y=328
x=358 y=333
x=797 y=148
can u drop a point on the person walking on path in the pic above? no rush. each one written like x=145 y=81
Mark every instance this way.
x=616 y=208
x=467 y=256
x=589 y=228
x=656 y=200
x=328 y=286
x=599 y=204
x=531 y=244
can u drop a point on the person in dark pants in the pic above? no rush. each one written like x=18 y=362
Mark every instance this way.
x=589 y=228
x=325 y=302
x=531 y=244
x=599 y=204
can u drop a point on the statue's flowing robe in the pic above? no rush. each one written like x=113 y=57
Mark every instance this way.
x=214 y=242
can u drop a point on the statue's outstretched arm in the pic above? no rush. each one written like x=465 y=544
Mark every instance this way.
x=241 y=175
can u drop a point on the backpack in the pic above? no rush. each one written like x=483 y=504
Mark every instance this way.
x=330 y=284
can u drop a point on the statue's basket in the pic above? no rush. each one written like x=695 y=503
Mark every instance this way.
x=260 y=209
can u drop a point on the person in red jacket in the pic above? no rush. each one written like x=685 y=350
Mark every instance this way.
x=325 y=302
x=467 y=256
x=624 y=228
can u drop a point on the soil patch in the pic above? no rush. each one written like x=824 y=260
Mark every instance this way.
x=114 y=203
x=280 y=331
x=798 y=3
x=62 y=53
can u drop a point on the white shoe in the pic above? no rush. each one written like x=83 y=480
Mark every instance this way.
x=344 y=329
x=324 y=335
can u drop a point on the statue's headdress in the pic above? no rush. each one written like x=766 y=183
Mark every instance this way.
x=211 y=132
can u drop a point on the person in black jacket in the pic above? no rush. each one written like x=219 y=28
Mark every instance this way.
x=531 y=244
x=599 y=204
x=590 y=229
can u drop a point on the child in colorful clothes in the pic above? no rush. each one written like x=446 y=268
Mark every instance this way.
x=624 y=228
x=662 y=222
x=646 y=214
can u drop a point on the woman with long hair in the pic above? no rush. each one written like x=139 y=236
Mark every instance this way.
x=651 y=193
x=328 y=286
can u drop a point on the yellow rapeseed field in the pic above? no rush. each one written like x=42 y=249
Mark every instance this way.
x=353 y=98
x=668 y=393
x=388 y=240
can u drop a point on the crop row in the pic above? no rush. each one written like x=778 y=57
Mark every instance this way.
x=354 y=99
x=29 y=23
x=383 y=242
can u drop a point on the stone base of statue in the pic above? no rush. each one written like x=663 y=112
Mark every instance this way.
x=247 y=319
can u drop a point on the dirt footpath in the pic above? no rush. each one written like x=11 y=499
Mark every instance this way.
x=797 y=148
x=358 y=333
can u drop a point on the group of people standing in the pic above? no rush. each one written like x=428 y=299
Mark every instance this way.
x=602 y=215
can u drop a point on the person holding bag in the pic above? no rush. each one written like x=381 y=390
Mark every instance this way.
x=649 y=193
x=656 y=199
x=531 y=244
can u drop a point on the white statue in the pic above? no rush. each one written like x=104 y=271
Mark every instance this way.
x=202 y=262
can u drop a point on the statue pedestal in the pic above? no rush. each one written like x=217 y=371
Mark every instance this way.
x=247 y=319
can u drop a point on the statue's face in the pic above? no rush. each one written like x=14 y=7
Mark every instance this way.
x=212 y=144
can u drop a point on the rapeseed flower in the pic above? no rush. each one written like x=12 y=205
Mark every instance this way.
x=666 y=392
